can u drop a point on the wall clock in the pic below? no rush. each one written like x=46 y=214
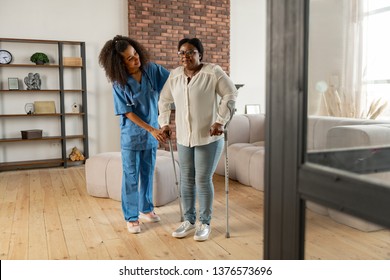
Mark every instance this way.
x=5 y=57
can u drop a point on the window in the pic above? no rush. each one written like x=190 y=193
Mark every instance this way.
x=376 y=55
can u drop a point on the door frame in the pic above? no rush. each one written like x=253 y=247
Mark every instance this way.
x=289 y=179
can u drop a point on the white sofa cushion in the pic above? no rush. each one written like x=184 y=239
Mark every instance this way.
x=95 y=170
x=114 y=178
x=243 y=163
x=249 y=166
x=104 y=177
x=238 y=130
x=244 y=131
x=256 y=169
x=352 y=221
x=318 y=127
x=317 y=208
x=256 y=127
x=358 y=136
x=233 y=159
x=164 y=183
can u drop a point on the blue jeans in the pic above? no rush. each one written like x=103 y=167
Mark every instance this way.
x=197 y=166
x=137 y=182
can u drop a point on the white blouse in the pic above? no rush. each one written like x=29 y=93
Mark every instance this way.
x=199 y=103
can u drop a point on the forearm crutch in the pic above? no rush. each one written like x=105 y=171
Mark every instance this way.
x=230 y=105
x=177 y=184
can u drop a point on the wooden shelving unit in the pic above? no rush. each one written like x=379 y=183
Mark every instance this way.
x=57 y=70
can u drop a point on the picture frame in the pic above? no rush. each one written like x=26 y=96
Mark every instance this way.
x=44 y=107
x=13 y=83
x=252 y=109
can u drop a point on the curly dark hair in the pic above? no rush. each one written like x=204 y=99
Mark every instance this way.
x=111 y=60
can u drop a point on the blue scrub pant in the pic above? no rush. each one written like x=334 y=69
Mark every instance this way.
x=137 y=182
x=197 y=166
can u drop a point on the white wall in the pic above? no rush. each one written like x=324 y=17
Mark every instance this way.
x=247 y=51
x=91 y=21
x=96 y=21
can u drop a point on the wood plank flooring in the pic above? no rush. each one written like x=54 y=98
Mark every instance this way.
x=47 y=214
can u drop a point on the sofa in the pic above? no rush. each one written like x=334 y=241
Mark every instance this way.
x=103 y=175
x=246 y=151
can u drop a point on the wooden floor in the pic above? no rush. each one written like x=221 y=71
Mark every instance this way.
x=47 y=214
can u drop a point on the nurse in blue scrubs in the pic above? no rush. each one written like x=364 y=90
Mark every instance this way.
x=137 y=83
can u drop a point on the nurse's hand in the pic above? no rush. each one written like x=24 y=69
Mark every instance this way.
x=157 y=133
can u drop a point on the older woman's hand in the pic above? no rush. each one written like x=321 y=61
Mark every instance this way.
x=216 y=129
x=166 y=132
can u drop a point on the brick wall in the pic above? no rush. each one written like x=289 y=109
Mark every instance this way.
x=160 y=24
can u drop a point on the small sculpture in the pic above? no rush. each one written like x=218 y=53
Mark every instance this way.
x=76 y=155
x=33 y=81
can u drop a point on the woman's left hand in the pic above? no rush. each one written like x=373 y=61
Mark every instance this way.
x=216 y=129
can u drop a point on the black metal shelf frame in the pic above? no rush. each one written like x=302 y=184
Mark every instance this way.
x=63 y=137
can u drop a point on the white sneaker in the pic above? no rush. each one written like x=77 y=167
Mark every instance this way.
x=183 y=230
x=149 y=217
x=202 y=232
x=133 y=227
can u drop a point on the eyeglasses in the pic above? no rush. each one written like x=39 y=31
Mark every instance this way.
x=187 y=53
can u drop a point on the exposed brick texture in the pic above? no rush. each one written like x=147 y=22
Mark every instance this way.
x=160 y=24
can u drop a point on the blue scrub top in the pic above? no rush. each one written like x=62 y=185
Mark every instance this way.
x=141 y=99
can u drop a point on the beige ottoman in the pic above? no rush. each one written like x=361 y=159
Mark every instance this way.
x=103 y=174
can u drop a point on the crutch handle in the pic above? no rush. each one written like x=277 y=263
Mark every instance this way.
x=231 y=106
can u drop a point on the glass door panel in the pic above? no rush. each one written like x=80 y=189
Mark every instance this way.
x=348 y=125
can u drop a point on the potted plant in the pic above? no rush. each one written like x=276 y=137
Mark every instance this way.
x=39 y=58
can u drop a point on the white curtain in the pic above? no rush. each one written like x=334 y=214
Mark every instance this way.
x=349 y=58
x=351 y=98
x=343 y=96
x=351 y=89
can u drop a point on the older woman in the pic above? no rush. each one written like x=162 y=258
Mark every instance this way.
x=195 y=88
